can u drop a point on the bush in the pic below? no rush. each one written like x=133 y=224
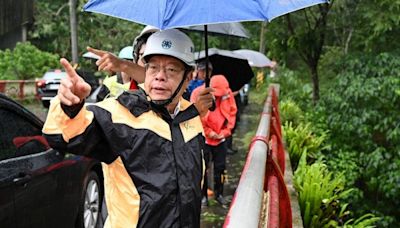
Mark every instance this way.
x=290 y=112
x=26 y=62
x=301 y=140
x=293 y=88
x=320 y=196
x=319 y=193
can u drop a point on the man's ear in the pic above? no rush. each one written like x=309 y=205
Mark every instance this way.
x=189 y=76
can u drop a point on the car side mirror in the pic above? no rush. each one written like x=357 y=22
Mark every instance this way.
x=30 y=145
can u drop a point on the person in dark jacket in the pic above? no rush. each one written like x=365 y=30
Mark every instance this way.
x=151 y=138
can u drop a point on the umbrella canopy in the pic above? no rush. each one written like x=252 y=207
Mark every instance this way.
x=165 y=14
x=255 y=58
x=90 y=55
x=233 y=66
x=231 y=29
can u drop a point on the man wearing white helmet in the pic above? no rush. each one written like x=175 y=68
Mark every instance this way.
x=151 y=139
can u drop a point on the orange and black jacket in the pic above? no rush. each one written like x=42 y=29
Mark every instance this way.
x=154 y=172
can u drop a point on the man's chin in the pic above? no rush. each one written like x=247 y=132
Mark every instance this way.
x=158 y=97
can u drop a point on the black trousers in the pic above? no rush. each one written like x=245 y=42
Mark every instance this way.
x=217 y=154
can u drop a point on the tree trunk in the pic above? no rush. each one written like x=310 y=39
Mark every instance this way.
x=315 y=82
x=74 y=33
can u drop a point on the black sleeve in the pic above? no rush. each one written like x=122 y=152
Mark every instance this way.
x=103 y=93
x=72 y=110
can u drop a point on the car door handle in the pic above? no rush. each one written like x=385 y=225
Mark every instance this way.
x=22 y=180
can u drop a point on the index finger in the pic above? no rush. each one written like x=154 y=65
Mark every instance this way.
x=97 y=51
x=69 y=69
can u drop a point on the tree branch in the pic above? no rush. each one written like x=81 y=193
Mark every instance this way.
x=60 y=9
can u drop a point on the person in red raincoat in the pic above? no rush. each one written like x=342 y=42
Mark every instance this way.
x=218 y=125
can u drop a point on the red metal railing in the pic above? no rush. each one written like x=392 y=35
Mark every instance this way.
x=263 y=175
x=18 y=88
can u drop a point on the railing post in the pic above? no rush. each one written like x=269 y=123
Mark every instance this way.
x=21 y=93
x=3 y=86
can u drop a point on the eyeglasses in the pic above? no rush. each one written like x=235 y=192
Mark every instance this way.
x=170 y=70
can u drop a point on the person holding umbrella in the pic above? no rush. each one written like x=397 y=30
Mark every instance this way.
x=218 y=125
x=150 y=138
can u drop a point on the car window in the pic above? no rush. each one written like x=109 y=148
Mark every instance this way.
x=18 y=136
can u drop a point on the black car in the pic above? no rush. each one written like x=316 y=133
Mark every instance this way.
x=48 y=85
x=39 y=186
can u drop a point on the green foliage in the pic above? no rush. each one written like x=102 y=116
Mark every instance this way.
x=302 y=140
x=52 y=29
x=385 y=27
x=319 y=193
x=345 y=161
x=25 y=62
x=356 y=25
x=329 y=65
x=359 y=108
x=365 y=92
x=365 y=221
x=211 y=217
x=293 y=87
x=290 y=112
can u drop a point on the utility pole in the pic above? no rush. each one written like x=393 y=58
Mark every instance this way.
x=74 y=32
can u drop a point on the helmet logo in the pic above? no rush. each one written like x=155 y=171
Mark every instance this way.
x=166 y=44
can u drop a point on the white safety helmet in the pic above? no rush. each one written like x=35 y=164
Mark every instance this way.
x=171 y=42
x=148 y=29
x=142 y=38
x=126 y=53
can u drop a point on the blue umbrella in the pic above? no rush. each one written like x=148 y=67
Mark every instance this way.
x=166 y=14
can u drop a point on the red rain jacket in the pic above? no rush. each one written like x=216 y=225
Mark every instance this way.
x=223 y=119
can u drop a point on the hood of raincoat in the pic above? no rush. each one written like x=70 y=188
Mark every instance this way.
x=220 y=85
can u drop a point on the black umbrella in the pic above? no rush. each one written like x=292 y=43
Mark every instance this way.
x=233 y=66
x=234 y=29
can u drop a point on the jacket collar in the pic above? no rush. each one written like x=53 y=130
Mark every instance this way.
x=137 y=103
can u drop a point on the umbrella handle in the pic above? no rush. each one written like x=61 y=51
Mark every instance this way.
x=213 y=106
x=207 y=84
x=207 y=79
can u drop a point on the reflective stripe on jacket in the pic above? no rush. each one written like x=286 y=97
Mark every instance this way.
x=154 y=172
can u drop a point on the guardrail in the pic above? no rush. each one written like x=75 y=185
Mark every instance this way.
x=261 y=198
x=18 y=88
